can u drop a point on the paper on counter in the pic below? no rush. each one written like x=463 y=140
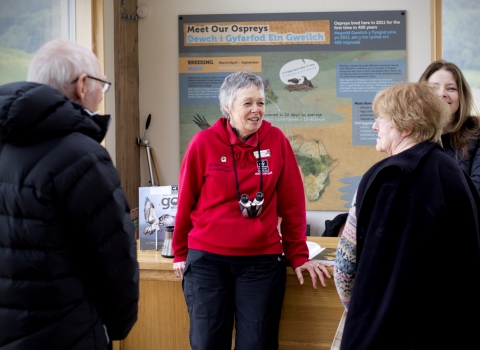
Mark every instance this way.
x=313 y=249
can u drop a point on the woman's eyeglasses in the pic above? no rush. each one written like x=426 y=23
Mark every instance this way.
x=378 y=121
x=105 y=84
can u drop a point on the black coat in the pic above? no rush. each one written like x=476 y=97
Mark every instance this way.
x=68 y=262
x=418 y=255
x=471 y=163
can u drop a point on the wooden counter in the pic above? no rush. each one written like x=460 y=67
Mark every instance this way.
x=309 y=317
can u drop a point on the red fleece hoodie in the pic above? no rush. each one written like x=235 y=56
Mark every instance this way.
x=208 y=216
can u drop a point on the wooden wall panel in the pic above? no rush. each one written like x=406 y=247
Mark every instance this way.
x=126 y=98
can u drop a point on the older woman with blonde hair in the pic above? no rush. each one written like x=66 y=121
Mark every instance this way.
x=390 y=271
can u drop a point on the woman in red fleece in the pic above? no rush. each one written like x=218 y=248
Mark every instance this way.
x=237 y=178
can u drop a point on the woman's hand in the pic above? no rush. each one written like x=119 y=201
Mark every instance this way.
x=315 y=269
x=178 y=267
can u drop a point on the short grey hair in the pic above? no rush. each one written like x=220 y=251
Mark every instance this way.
x=58 y=62
x=233 y=83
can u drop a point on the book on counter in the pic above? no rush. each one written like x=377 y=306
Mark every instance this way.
x=159 y=210
x=325 y=256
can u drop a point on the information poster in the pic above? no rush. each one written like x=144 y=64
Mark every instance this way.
x=321 y=72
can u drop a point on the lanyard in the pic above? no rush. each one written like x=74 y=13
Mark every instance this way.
x=235 y=169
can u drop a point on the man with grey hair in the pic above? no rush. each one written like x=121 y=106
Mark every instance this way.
x=68 y=264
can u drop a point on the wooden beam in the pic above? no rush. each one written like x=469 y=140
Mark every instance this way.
x=98 y=36
x=127 y=120
x=436 y=29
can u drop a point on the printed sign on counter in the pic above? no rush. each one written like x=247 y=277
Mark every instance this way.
x=159 y=206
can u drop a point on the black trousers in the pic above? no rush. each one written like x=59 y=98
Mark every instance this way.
x=221 y=291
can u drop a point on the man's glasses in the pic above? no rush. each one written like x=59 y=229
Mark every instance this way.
x=105 y=84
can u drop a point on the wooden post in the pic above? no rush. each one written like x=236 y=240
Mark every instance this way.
x=126 y=98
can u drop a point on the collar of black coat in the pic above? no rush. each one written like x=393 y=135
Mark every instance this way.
x=32 y=113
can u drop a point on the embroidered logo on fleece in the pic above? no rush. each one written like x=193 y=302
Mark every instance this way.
x=219 y=167
x=265 y=168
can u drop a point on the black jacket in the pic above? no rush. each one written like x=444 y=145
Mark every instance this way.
x=471 y=163
x=68 y=262
x=418 y=255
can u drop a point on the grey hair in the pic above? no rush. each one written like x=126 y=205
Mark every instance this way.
x=58 y=62
x=233 y=83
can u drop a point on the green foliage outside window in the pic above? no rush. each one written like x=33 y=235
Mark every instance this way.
x=25 y=25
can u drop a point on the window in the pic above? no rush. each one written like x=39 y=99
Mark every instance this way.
x=25 y=25
x=459 y=39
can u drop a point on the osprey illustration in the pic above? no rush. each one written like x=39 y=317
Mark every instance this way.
x=153 y=220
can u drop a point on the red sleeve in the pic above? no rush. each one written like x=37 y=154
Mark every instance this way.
x=189 y=186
